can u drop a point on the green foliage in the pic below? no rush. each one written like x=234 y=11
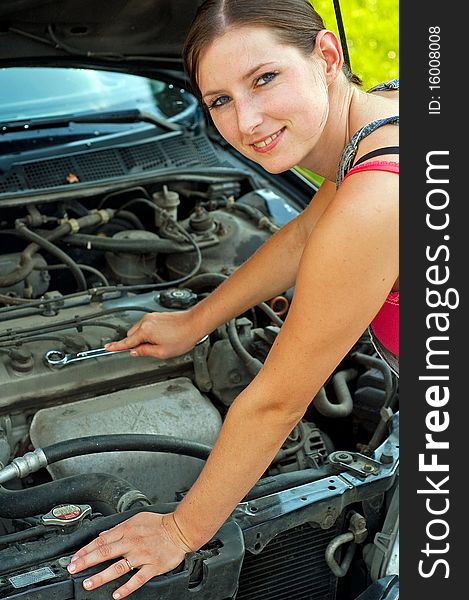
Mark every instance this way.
x=372 y=32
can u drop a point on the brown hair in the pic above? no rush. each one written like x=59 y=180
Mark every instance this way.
x=295 y=23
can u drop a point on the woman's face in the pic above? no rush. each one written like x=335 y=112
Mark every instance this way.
x=267 y=99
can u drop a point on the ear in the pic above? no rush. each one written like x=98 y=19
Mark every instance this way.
x=328 y=50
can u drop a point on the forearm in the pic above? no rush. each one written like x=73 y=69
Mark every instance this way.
x=269 y=271
x=243 y=452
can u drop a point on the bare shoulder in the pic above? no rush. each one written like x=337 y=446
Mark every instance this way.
x=349 y=264
x=360 y=225
x=365 y=201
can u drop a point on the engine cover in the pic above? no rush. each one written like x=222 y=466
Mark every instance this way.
x=173 y=408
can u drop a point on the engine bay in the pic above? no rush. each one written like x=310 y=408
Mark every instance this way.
x=84 y=443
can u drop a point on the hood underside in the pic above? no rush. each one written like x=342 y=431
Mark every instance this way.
x=32 y=31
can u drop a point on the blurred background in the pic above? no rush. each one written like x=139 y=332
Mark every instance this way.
x=372 y=31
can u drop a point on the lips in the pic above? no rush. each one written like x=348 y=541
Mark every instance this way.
x=268 y=143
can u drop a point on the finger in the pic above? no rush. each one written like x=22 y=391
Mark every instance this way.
x=114 y=571
x=147 y=350
x=110 y=535
x=134 y=327
x=99 y=554
x=140 y=578
x=128 y=342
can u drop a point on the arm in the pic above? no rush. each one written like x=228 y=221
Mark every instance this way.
x=344 y=277
x=270 y=271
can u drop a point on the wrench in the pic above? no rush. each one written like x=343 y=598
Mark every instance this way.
x=58 y=358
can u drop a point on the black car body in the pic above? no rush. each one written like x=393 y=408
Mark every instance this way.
x=117 y=198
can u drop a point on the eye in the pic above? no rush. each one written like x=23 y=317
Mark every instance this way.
x=266 y=78
x=220 y=101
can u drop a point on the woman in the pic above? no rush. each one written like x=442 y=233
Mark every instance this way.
x=273 y=80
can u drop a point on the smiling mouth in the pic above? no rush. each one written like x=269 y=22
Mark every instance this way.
x=268 y=140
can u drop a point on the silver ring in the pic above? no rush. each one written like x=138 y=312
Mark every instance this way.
x=128 y=564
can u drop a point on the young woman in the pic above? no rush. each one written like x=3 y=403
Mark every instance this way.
x=274 y=82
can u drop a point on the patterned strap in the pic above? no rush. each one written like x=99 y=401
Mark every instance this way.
x=350 y=150
x=387 y=86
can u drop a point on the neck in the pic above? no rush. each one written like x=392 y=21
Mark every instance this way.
x=325 y=156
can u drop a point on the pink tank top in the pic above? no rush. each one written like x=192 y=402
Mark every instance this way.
x=385 y=325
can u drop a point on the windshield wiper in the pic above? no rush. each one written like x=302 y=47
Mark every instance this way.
x=119 y=116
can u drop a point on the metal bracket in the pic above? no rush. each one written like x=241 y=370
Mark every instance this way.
x=358 y=464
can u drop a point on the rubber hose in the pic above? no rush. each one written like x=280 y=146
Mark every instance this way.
x=26 y=264
x=63 y=257
x=204 y=281
x=118 y=222
x=122 y=442
x=21 y=536
x=283 y=453
x=253 y=365
x=94 y=242
x=25 y=267
x=285 y=481
x=271 y=314
x=83 y=489
x=129 y=216
x=256 y=215
x=85 y=268
x=9 y=300
x=260 y=218
x=345 y=405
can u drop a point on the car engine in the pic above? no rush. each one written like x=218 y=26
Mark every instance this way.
x=86 y=442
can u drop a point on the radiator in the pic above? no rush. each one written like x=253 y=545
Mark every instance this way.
x=291 y=567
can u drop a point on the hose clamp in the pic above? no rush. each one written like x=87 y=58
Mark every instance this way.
x=105 y=215
x=74 y=225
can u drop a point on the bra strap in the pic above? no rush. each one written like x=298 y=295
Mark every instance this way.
x=378 y=152
x=377 y=165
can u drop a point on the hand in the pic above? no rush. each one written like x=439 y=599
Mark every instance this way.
x=147 y=542
x=162 y=335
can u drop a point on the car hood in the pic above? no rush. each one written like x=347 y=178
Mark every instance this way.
x=57 y=31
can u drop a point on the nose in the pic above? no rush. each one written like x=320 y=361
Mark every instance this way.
x=249 y=115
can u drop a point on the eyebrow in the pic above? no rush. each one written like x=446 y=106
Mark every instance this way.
x=248 y=75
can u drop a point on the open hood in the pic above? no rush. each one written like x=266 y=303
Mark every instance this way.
x=36 y=31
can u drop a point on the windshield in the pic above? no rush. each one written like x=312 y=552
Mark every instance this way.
x=33 y=93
